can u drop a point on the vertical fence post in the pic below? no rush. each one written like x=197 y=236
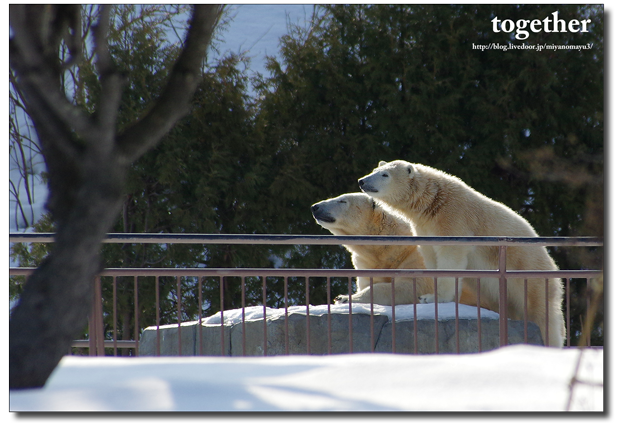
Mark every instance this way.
x=99 y=317
x=179 y=317
x=525 y=316
x=585 y=326
x=157 y=316
x=479 y=318
x=114 y=325
x=264 y=315
x=199 y=315
x=136 y=329
x=307 y=315
x=503 y=298
x=95 y=323
x=372 y=317
x=415 y=315
x=243 y=315
x=393 y=294
x=350 y=317
x=436 y=317
x=547 y=311
x=456 y=315
x=92 y=332
x=567 y=290
x=286 y=349
x=222 y=343
x=329 y=317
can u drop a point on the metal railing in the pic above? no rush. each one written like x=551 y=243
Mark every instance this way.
x=97 y=343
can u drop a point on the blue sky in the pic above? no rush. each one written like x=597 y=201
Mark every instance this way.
x=257 y=28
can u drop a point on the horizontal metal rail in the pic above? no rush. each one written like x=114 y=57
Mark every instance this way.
x=270 y=239
x=332 y=273
x=106 y=344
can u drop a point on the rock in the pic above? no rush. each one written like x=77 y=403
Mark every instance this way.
x=169 y=339
x=469 y=341
x=358 y=339
x=331 y=333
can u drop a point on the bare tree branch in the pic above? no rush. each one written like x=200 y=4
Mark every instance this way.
x=174 y=102
x=111 y=81
x=38 y=77
x=68 y=27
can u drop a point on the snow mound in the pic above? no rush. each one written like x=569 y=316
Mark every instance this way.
x=513 y=378
x=445 y=311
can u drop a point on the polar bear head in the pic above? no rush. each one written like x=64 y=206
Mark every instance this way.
x=357 y=214
x=391 y=182
x=345 y=214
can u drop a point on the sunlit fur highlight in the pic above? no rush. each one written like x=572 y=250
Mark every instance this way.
x=438 y=204
x=358 y=214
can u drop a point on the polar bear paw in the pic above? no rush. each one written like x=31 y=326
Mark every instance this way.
x=341 y=299
x=427 y=298
x=430 y=298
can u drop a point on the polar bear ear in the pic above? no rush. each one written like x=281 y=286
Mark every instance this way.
x=381 y=163
x=410 y=170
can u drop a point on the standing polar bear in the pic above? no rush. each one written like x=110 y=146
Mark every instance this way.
x=359 y=214
x=438 y=204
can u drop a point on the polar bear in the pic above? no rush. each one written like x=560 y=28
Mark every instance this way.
x=438 y=204
x=359 y=214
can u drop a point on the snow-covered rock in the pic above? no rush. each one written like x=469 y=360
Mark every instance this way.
x=330 y=329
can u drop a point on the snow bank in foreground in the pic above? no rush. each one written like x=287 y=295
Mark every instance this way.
x=514 y=378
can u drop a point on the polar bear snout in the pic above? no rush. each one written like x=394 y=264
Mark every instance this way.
x=321 y=214
x=366 y=187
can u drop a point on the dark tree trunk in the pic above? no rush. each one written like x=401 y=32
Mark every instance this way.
x=87 y=165
x=54 y=306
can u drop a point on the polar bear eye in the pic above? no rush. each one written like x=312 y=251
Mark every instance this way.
x=385 y=175
x=342 y=201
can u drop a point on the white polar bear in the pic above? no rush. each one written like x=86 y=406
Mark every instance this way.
x=359 y=214
x=438 y=204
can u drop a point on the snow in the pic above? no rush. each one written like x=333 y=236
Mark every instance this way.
x=513 y=378
x=445 y=311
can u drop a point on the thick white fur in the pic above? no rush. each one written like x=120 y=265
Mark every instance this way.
x=358 y=214
x=438 y=204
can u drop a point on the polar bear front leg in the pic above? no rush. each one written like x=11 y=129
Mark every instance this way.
x=448 y=257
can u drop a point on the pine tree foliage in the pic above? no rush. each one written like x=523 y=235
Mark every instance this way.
x=385 y=82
